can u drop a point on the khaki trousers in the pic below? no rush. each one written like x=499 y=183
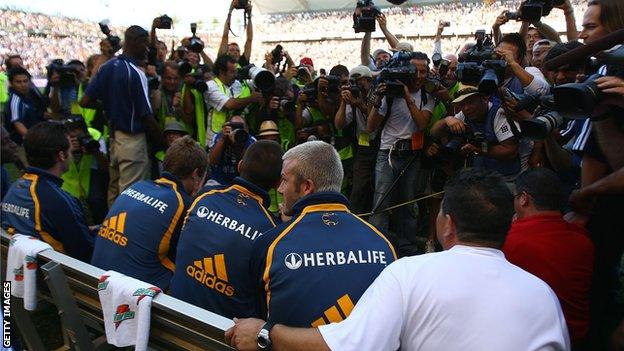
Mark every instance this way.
x=129 y=162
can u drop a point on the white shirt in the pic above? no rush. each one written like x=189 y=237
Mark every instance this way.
x=215 y=97
x=466 y=298
x=360 y=120
x=502 y=130
x=400 y=124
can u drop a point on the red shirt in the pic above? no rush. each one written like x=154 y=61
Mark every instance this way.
x=562 y=255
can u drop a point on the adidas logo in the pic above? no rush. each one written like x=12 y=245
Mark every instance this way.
x=336 y=313
x=113 y=229
x=211 y=273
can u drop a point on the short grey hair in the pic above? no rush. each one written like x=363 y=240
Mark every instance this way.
x=319 y=162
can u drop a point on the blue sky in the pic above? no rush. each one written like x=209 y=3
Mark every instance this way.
x=126 y=12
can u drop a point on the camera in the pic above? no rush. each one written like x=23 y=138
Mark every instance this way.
x=311 y=91
x=398 y=70
x=256 y=77
x=239 y=134
x=241 y=4
x=67 y=73
x=165 y=22
x=456 y=141
x=545 y=117
x=195 y=44
x=354 y=88
x=333 y=85
x=185 y=68
x=479 y=65
x=277 y=54
x=533 y=10
x=512 y=16
x=153 y=83
x=84 y=138
x=114 y=40
x=364 y=16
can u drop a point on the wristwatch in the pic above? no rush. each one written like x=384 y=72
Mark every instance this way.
x=264 y=340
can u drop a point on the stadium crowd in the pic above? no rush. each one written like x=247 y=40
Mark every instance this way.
x=369 y=194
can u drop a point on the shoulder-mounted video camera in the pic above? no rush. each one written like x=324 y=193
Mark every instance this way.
x=114 y=40
x=364 y=16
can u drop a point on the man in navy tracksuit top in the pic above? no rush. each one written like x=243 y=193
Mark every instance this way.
x=314 y=268
x=212 y=264
x=141 y=230
x=36 y=205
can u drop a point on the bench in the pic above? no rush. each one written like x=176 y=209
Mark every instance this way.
x=71 y=285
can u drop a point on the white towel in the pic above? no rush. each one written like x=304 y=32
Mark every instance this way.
x=22 y=268
x=126 y=305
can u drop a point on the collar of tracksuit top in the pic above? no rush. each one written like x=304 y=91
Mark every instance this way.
x=323 y=197
x=173 y=178
x=45 y=174
x=264 y=195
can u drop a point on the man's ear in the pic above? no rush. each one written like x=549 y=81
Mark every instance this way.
x=449 y=234
x=307 y=187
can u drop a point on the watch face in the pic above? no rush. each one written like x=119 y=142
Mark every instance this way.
x=264 y=342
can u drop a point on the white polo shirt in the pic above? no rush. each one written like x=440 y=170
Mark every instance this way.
x=466 y=298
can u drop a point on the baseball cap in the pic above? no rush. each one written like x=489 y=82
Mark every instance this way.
x=360 y=71
x=403 y=46
x=174 y=126
x=306 y=61
x=379 y=51
x=268 y=128
x=464 y=92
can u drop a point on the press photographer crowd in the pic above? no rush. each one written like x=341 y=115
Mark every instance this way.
x=443 y=192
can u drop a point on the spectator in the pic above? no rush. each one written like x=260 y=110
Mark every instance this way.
x=26 y=106
x=140 y=234
x=9 y=154
x=541 y=242
x=226 y=95
x=221 y=228
x=227 y=150
x=37 y=206
x=417 y=302
x=129 y=110
x=480 y=114
x=311 y=179
x=401 y=121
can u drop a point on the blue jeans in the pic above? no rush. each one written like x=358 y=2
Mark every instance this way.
x=405 y=190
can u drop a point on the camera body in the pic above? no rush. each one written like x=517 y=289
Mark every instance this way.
x=165 y=22
x=480 y=67
x=398 y=70
x=277 y=54
x=354 y=88
x=239 y=134
x=114 y=40
x=195 y=44
x=364 y=16
x=67 y=73
x=84 y=138
x=456 y=141
x=241 y=4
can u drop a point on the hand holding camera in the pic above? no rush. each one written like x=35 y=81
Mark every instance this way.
x=347 y=97
x=455 y=125
x=501 y=19
x=274 y=103
x=381 y=19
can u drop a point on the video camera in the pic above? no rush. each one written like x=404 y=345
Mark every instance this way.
x=480 y=67
x=256 y=77
x=364 y=16
x=199 y=83
x=580 y=100
x=67 y=73
x=165 y=22
x=397 y=72
x=532 y=10
x=195 y=44
x=114 y=40
x=85 y=139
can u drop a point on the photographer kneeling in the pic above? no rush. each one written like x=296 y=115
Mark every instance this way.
x=481 y=131
x=227 y=149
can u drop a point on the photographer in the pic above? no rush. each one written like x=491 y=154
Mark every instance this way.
x=167 y=99
x=380 y=57
x=354 y=108
x=66 y=87
x=87 y=174
x=481 y=130
x=232 y=49
x=120 y=85
x=227 y=149
x=226 y=95
x=401 y=121
x=280 y=109
x=519 y=78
